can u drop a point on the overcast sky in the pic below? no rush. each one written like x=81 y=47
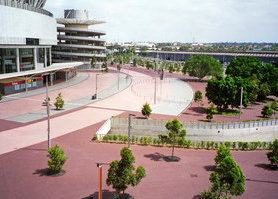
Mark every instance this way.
x=179 y=20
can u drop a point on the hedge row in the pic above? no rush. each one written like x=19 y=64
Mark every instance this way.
x=146 y=140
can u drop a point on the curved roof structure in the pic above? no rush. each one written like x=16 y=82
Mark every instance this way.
x=34 y=3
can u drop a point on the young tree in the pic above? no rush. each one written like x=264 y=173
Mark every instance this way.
x=146 y=110
x=123 y=173
x=175 y=133
x=227 y=179
x=93 y=62
x=56 y=160
x=203 y=65
x=222 y=153
x=267 y=111
x=198 y=97
x=59 y=104
x=273 y=154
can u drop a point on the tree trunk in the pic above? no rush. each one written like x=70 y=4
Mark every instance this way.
x=173 y=147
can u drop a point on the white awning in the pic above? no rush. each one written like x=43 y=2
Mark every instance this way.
x=52 y=68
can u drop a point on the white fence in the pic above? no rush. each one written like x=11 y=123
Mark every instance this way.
x=104 y=129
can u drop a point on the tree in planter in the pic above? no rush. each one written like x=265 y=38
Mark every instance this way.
x=175 y=133
x=227 y=179
x=119 y=67
x=59 y=104
x=93 y=62
x=267 y=111
x=123 y=173
x=1 y=96
x=56 y=160
x=273 y=154
x=198 y=97
x=210 y=111
x=146 y=110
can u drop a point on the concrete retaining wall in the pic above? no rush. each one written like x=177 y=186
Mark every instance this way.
x=244 y=131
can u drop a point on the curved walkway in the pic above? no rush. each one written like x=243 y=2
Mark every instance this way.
x=92 y=113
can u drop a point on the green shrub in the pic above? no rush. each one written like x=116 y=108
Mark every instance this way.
x=1 y=96
x=125 y=138
x=245 y=146
x=56 y=160
x=146 y=110
x=234 y=145
x=134 y=139
x=187 y=143
x=115 y=137
x=216 y=145
x=274 y=105
x=208 y=145
x=106 y=138
x=228 y=144
x=264 y=145
x=267 y=111
x=254 y=145
x=212 y=143
x=121 y=137
x=202 y=145
x=59 y=104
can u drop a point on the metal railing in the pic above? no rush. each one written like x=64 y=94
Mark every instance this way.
x=25 y=6
x=196 y=125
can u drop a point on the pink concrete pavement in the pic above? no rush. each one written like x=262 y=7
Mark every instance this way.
x=78 y=91
x=33 y=133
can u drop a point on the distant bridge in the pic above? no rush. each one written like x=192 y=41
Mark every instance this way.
x=224 y=57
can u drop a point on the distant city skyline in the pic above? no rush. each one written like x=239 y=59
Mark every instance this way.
x=180 y=20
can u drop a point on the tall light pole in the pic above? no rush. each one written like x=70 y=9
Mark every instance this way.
x=48 y=113
x=99 y=165
x=241 y=96
x=155 y=90
x=129 y=127
x=96 y=84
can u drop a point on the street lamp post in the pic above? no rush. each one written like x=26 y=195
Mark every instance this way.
x=48 y=113
x=241 y=96
x=99 y=165
x=155 y=90
x=96 y=84
x=129 y=127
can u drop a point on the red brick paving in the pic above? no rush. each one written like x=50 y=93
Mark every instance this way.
x=22 y=171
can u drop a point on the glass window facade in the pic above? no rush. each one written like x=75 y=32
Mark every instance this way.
x=40 y=55
x=8 y=60
x=26 y=59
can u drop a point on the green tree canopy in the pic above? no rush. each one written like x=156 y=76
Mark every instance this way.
x=123 y=173
x=225 y=91
x=175 y=133
x=202 y=65
x=273 y=154
x=146 y=110
x=244 y=67
x=227 y=179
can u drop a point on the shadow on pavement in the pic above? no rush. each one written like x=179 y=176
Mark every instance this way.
x=209 y=167
x=106 y=194
x=265 y=181
x=155 y=156
x=41 y=172
x=198 y=109
x=197 y=197
x=267 y=167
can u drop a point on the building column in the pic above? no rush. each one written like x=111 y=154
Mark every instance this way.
x=50 y=57
x=17 y=59
x=51 y=79
x=45 y=58
x=35 y=58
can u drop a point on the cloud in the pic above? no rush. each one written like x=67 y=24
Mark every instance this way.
x=178 y=20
